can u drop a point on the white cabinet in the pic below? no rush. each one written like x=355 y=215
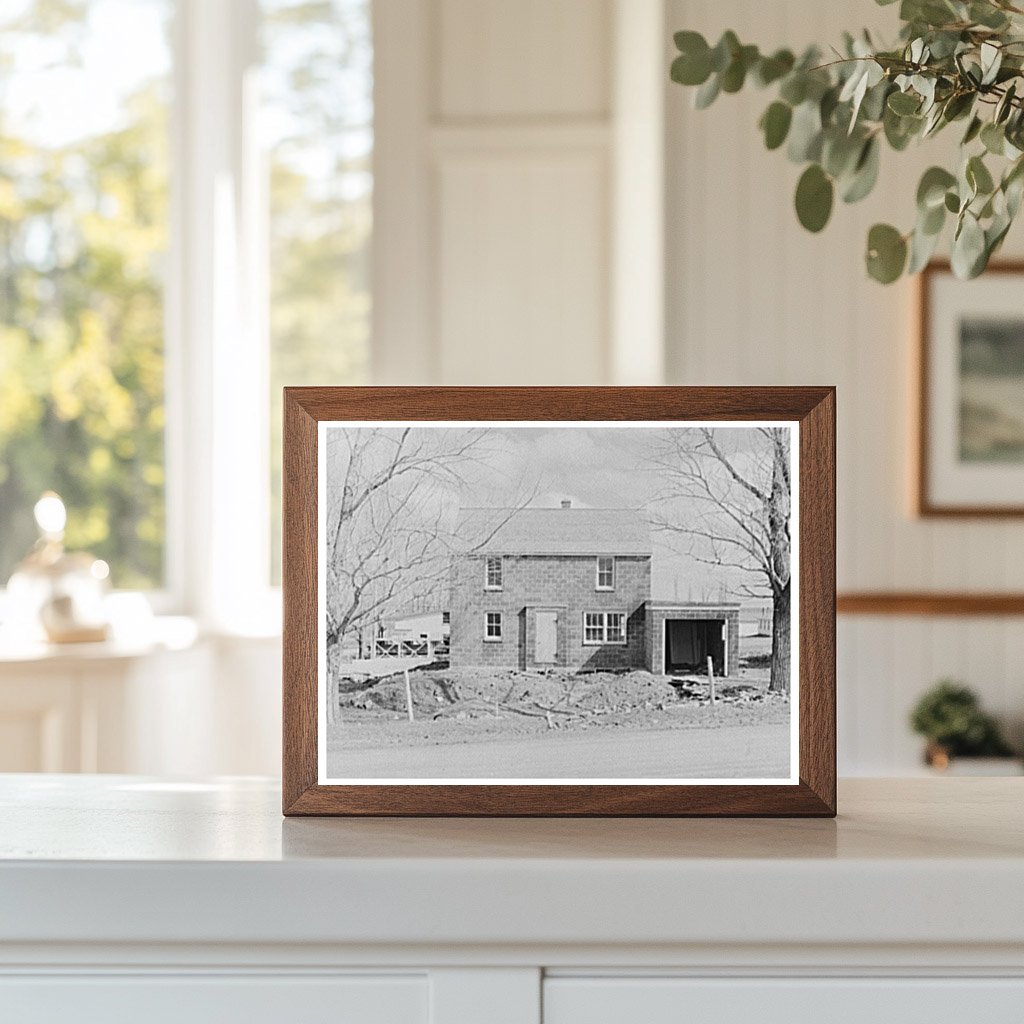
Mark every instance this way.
x=133 y=899
x=823 y=1000
x=202 y=999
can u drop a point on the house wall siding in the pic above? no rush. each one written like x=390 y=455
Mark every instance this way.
x=565 y=583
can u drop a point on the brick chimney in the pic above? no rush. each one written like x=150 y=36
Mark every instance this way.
x=567 y=503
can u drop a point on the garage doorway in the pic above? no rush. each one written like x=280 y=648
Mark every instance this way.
x=689 y=642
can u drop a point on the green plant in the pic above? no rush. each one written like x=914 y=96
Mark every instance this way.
x=950 y=717
x=956 y=61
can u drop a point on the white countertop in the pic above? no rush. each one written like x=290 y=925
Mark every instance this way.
x=119 y=859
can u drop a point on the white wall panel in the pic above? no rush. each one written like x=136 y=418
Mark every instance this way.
x=522 y=286
x=530 y=58
x=754 y=299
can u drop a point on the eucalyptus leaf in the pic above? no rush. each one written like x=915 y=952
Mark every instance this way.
x=805 y=133
x=735 y=74
x=922 y=248
x=932 y=220
x=993 y=138
x=973 y=130
x=991 y=60
x=775 y=124
x=968 y=248
x=690 y=70
x=978 y=176
x=840 y=152
x=886 y=253
x=957 y=106
x=987 y=15
x=931 y=190
x=707 y=93
x=904 y=103
x=771 y=69
x=1005 y=105
x=900 y=130
x=724 y=51
x=814 y=196
x=865 y=173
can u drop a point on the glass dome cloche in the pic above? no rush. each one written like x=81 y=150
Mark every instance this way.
x=57 y=595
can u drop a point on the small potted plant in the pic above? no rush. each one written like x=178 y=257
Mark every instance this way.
x=950 y=718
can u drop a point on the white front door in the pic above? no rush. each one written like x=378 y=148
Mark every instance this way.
x=545 y=646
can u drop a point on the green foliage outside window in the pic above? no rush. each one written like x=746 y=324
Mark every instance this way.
x=83 y=216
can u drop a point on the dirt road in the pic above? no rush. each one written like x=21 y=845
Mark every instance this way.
x=751 y=751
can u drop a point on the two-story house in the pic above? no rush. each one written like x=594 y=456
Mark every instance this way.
x=550 y=586
x=571 y=587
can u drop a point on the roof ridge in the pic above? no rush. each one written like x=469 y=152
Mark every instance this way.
x=550 y=508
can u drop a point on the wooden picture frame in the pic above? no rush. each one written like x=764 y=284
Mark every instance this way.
x=935 y=477
x=809 y=413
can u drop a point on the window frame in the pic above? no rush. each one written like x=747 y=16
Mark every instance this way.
x=598 y=585
x=498 y=637
x=604 y=616
x=500 y=560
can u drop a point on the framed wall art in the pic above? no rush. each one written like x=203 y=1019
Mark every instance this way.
x=970 y=423
x=559 y=601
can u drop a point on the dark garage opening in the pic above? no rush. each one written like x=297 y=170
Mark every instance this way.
x=688 y=642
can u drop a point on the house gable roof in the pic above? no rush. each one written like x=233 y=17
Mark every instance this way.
x=554 y=531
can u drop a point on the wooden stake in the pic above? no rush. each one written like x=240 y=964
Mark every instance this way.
x=711 y=678
x=408 y=697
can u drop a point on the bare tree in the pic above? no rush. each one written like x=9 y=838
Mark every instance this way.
x=389 y=523
x=732 y=501
x=387 y=508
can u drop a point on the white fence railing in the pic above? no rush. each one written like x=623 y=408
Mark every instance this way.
x=410 y=648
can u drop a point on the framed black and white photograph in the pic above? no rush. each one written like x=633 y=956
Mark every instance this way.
x=970 y=452
x=518 y=611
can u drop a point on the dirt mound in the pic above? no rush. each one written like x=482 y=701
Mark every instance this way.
x=469 y=692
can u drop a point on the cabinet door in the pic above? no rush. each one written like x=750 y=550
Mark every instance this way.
x=202 y=999
x=783 y=1001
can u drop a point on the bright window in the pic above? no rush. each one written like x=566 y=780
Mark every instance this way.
x=604 y=628
x=258 y=218
x=494 y=581
x=492 y=629
x=317 y=126
x=606 y=573
x=84 y=171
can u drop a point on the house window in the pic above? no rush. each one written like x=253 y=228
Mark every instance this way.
x=493 y=572
x=606 y=573
x=604 y=628
x=492 y=630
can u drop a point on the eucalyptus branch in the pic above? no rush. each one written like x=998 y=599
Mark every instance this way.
x=956 y=61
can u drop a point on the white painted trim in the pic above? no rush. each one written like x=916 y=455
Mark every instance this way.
x=222 y=408
x=637 y=342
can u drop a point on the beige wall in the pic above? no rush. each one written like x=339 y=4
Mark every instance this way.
x=753 y=299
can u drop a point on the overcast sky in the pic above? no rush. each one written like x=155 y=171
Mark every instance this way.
x=594 y=467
